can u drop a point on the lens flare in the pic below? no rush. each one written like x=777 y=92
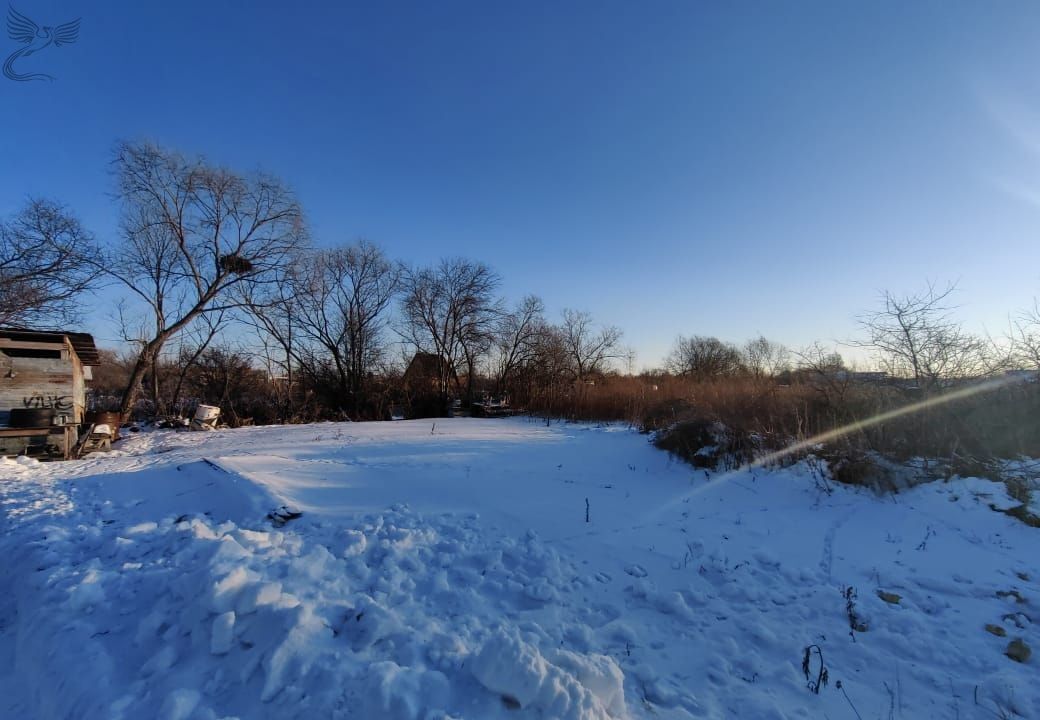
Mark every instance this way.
x=844 y=430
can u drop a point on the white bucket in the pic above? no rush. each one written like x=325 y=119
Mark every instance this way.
x=206 y=413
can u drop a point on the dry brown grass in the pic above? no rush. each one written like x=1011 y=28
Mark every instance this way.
x=758 y=416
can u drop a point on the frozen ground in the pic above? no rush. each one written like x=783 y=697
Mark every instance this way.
x=448 y=571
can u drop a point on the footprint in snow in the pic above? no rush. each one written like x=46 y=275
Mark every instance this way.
x=603 y=577
x=636 y=571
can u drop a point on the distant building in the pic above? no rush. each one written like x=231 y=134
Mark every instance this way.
x=426 y=382
x=424 y=372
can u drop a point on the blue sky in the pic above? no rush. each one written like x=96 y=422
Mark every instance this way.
x=686 y=167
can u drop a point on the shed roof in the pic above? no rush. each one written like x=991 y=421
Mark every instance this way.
x=82 y=343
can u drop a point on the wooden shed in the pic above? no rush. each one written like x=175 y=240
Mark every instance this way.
x=43 y=394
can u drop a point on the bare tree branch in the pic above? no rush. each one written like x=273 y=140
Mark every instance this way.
x=47 y=263
x=915 y=337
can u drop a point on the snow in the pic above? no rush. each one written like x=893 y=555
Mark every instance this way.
x=447 y=571
x=574 y=686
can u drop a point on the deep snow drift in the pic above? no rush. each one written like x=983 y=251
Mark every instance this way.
x=446 y=570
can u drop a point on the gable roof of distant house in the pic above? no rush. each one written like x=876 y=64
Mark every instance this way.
x=82 y=343
x=424 y=363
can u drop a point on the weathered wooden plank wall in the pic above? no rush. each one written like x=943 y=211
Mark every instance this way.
x=32 y=382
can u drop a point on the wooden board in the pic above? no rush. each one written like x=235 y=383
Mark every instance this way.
x=28 y=382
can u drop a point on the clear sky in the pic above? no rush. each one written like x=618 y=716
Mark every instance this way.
x=672 y=167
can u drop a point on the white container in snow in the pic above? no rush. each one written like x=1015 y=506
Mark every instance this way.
x=207 y=413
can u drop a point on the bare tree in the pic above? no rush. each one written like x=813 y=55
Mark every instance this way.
x=518 y=334
x=916 y=337
x=450 y=310
x=590 y=350
x=47 y=263
x=765 y=358
x=192 y=234
x=551 y=367
x=704 y=358
x=341 y=301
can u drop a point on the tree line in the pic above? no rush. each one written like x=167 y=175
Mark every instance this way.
x=202 y=249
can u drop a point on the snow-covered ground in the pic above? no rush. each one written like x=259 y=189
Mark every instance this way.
x=447 y=570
